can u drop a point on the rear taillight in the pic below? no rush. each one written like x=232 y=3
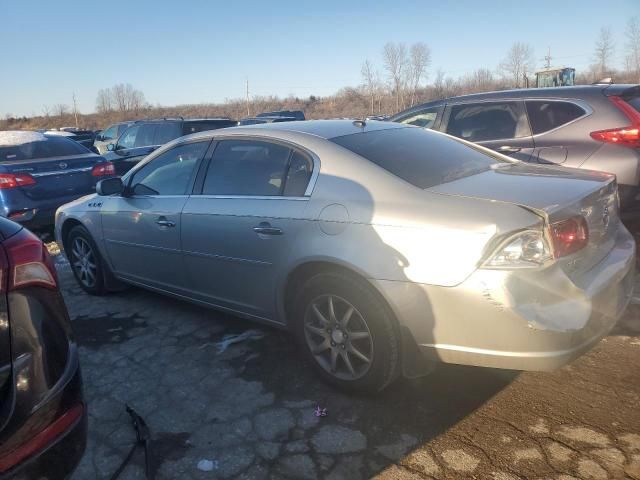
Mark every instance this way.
x=628 y=136
x=569 y=236
x=103 y=169
x=29 y=262
x=10 y=180
x=42 y=439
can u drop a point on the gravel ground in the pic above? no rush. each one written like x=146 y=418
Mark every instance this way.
x=249 y=408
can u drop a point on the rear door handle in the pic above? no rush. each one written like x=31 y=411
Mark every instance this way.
x=508 y=149
x=265 y=228
x=163 y=222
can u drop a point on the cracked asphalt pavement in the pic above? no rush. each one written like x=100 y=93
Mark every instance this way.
x=249 y=408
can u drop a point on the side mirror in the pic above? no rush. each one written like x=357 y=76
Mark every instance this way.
x=109 y=186
x=99 y=138
x=111 y=147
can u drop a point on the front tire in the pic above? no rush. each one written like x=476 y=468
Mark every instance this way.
x=86 y=262
x=347 y=333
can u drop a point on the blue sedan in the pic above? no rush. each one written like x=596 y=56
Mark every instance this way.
x=40 y=172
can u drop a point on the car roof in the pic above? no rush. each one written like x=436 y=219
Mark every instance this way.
x=326 y=129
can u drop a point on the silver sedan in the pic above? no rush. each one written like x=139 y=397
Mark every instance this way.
x=383 y=248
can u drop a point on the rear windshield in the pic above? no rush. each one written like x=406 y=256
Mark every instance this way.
x=422 y=158
x=53 y=146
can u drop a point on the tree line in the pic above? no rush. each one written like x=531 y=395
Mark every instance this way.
x=398 y=81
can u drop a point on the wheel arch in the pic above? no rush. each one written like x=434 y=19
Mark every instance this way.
x=413 y=364
x=67 y=226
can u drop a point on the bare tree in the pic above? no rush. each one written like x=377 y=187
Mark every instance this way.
x=603 y=53
x=419 y=61
x=60 y=110
x=395 y=62
x=633 y=45
x=517 y=63
x=104 y=101
x=369 y=77
x=126 y=98
x=46 y=111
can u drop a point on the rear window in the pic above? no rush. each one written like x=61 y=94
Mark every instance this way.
x=420 y=157
x=547 y=115
x=53 y=146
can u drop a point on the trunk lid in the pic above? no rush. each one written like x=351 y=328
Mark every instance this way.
x=555 y=194
x=56 y=176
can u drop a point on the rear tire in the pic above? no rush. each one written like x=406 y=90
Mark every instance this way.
x=347 y=333
x=86 y=262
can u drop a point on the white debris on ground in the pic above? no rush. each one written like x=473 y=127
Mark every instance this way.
x=18 y=137
x=229 y=340
x=207 y=465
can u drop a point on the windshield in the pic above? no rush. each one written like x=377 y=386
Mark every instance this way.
x=420 y=157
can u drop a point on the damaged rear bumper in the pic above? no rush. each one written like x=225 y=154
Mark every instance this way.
x=522 y=319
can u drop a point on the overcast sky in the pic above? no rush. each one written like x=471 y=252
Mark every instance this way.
x=202 y=51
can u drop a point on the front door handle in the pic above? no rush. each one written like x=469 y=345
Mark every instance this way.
x=265 y=228
x=508 y=149
x=163 y=222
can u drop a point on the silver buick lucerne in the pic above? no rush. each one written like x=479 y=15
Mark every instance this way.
x=382 y=247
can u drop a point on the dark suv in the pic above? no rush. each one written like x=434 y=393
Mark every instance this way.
x=595 y=127
x=144 y=136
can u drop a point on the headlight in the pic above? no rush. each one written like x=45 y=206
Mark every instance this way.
x=524 y=250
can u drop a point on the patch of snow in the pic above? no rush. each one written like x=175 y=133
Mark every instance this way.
x=18 y=137
x=60 y=133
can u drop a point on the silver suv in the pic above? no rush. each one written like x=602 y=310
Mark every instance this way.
x=596 y=127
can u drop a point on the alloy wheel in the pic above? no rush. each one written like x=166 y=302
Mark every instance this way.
x=84 y=262
x=338 y=337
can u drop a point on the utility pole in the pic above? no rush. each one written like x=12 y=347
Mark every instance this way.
x=75 y=108
x=547 y=59
x=248 y=112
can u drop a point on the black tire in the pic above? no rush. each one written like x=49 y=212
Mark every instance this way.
x=81 y=236
x=370 y=314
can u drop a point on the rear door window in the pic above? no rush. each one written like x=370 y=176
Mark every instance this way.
x=420 y=157
x=545 y=115
x=478 y=122
x=165 y=132
x=247 y=167
x=145 y=135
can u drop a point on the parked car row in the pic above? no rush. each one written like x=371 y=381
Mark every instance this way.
x=382 y=247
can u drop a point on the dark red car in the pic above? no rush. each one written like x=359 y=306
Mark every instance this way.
x=43 y=419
